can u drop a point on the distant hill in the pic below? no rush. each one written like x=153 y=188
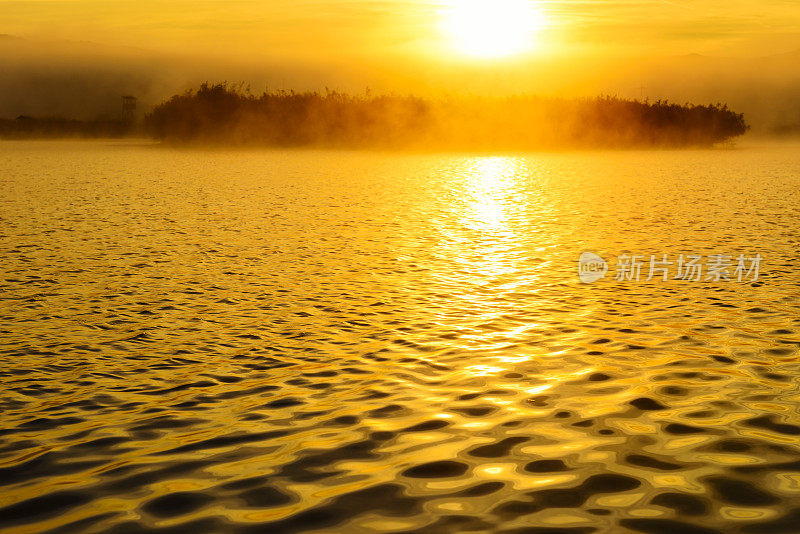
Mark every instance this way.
x=766 y=89
x=85 y=80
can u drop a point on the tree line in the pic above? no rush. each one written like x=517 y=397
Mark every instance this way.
x=225 y=114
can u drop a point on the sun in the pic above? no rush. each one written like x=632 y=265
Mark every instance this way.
x=492 y=28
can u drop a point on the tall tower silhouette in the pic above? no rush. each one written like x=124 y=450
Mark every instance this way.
x=128 y=109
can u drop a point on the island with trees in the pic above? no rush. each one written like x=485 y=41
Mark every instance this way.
x=229 y=115
x=226 y=115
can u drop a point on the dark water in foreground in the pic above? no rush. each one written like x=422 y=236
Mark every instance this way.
x=355 y=342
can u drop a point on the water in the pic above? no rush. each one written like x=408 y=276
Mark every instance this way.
x=281 y=341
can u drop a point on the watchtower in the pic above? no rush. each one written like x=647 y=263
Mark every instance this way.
x=128 y=109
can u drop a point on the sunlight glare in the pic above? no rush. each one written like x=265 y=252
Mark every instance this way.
x=491 y=177
x=495 y=28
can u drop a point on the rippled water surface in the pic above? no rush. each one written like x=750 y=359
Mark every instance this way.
x=269 y=341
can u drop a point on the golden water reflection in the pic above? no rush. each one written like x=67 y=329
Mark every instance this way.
x=329 y=341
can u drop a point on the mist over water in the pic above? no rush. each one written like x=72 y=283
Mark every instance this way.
x=337 y=341
x=85 y=80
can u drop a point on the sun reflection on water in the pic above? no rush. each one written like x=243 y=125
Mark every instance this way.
x=489 y=181
x=427 y=350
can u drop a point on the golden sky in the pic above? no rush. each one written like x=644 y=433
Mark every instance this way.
x=334 y=29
